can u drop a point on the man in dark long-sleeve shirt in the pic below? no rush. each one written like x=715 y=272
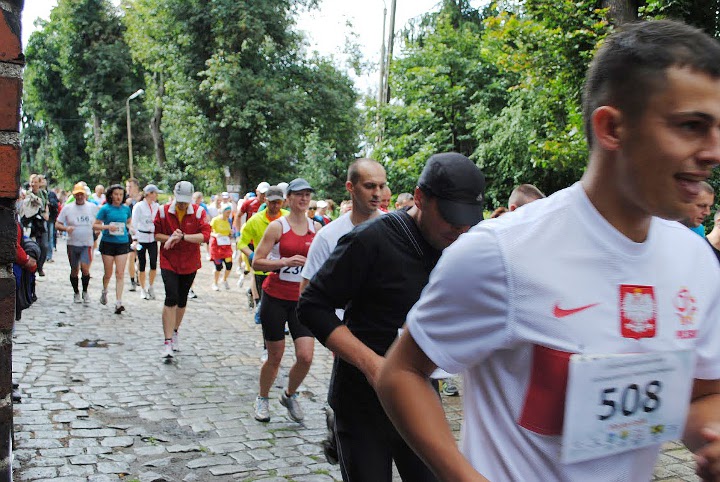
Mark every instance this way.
x=377 y=273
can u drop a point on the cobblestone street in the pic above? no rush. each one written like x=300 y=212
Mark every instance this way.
x=100 y=404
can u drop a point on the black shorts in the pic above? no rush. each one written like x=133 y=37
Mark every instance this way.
x=177 y=287
x=152 y=252
x=274 y=312
x=113 y=249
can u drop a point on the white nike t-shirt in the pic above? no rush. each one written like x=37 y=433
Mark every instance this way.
x=511 y=299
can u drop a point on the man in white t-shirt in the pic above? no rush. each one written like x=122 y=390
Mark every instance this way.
x=365 y=183
x=585 y=324
x=77 y=219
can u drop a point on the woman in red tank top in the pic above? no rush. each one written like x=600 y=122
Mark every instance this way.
x=283 y=250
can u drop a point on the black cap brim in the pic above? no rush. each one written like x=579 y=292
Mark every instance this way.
x=460 y=213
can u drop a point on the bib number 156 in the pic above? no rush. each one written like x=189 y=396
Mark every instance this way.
x=630 y=399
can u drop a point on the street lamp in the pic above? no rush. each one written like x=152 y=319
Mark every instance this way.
x=138 y=93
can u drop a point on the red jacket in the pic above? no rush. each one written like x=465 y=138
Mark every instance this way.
x=183 y=258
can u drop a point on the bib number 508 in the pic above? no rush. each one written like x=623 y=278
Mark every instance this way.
x=630 y=399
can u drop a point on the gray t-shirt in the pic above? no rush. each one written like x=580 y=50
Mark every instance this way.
x=81 y=217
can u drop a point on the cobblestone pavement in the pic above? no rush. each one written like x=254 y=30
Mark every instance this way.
x=100 y=404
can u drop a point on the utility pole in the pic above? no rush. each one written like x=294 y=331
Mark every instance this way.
x=381 y=86
x=391 y=42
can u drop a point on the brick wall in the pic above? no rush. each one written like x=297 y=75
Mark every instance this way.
x=11 y=62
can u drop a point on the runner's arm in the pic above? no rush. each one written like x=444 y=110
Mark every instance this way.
x=420 y=418
x=262 y=251
x=702 y=431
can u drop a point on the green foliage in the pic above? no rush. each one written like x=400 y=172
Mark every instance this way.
x=501 y=85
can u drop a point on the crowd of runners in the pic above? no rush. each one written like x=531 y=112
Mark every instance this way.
x=574 y=320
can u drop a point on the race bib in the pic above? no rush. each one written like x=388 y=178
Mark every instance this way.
x=116 y=228
x=83 y=220
x=292 y=274
x=617 y=403
x=223 y=240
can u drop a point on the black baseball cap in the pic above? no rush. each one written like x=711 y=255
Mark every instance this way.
x=459 y=186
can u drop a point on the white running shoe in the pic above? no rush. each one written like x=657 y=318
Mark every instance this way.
x=226 y=285
x=215 y=287
x=175 y=341
x=151 y=292
x=262 y=409
x=264 y=356
x=167 y=351
x=77 y=298
x=143 y=294
x=295 y=411
x=85 y=298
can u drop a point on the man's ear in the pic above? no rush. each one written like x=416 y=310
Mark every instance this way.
x=607 y=127
x=419 y=199
x=349 y=186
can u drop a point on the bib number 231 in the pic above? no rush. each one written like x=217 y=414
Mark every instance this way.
x=617 y=403
x=291 y=273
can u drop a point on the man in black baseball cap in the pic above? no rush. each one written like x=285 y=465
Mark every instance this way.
x=377 y=272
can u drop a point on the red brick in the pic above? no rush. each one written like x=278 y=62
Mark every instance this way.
x=9 y=171
x=10 y=103
x=10 y=46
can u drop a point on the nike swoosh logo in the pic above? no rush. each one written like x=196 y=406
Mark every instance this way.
x=562 y=313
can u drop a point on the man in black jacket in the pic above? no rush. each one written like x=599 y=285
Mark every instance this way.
x=377 y=273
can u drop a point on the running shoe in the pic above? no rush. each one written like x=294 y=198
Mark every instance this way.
x=251 y=300
x=151 y=292
x=85 y=297
x=76 y=298
x=133 y=284
x=295 y=411
x=167 y=351
x=103 y=297
x=192 y=295
x=226 y=285
x=262 y=409
x=449 y=388
x=119 y=308
x=215 y=287
x=257 y=317
x=143 y=294
x=175 y=341
x=264 y=356
x=240 y=281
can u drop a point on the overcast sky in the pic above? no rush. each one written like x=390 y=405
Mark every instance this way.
x=325 y=27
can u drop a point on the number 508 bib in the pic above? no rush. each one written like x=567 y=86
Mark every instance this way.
x=616 y=403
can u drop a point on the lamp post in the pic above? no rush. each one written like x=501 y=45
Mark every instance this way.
x=138 y=93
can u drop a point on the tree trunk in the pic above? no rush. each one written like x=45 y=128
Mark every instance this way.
x=621 y=11
x=157 y=135
x=97 y=126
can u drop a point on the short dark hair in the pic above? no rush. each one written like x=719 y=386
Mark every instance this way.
x=631 y=65
x=353 y=174
x=113 y=188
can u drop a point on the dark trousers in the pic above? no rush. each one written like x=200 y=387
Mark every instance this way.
x=367 y=443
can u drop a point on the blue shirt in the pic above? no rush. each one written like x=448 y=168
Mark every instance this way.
x=699 y=230
x=115 y=214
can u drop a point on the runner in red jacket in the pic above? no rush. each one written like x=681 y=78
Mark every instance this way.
x=180 y=227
